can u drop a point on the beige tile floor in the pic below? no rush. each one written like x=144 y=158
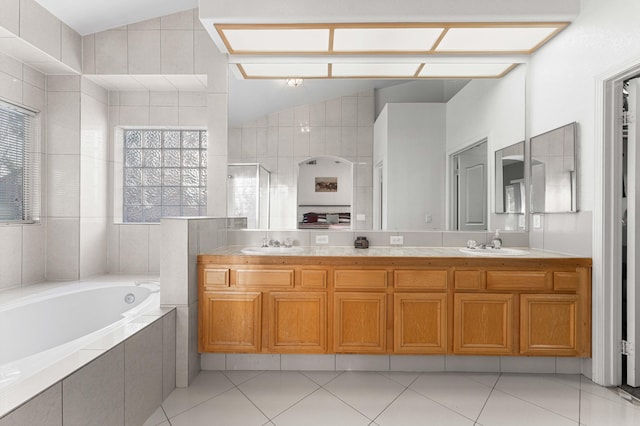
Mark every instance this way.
x=283 y=398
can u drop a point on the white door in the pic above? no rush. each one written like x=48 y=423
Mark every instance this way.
x=472 y=188
x=633 y=236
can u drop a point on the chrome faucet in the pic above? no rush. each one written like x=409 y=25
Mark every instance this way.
x=274 y=243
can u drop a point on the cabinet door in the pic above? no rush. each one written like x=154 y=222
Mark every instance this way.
x=360 y=322
x=298 y=322
x=230 y=322
x=420 y=323
x=549 y=324
x=483 y=324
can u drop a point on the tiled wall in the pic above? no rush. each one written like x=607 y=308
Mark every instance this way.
x=76 y=178
x=30 y=22
x=341 y=127
x=135 y=248
x=23 y=247
x=171 y=44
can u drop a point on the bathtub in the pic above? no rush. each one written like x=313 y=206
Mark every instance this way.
x=38 y=330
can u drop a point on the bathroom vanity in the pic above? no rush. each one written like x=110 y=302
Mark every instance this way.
x=395 y=301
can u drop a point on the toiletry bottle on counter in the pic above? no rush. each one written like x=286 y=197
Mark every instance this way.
x=496 y=241
x=361 y=243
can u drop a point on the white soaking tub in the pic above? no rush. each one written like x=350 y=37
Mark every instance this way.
x=41 y=329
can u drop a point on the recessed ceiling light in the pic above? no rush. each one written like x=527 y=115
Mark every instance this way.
x=381 y=40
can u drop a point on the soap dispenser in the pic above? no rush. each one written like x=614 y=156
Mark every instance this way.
x=496 y=241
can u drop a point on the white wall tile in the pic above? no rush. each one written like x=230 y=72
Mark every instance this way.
x=10 y=87
x=482 y=364
x=308 y=362
x=134 y=249
x=164 y=98
x=366 y=110
x=71 y=48
x=143 y=50
x=176 y=52
x=527 y=364
x=34 y=97
x=194 y=99
x=63 y=119
x=63 y=249
x=333 y=112
x=82 y=399
x=205 y=54
x=168 y=353
x=11 y=258
x=348 y=142
x=134 y=115
x=149 y=24
x=33 y=77
x=155 y=249
x=10 y=16
x=113 y=248
x=164 y=116
x=40 y=28
x=44 y=410
x=174 y=271
x=134 y=98
x=349 y=111
x=34 y=242
x=111 y=52
x=63 y=186
x=192 y=116
x=63 y=83
x=143 y=373
x=10 y=66
x=213 y=362
x=417 y=363
x=178 y=21
x=362 y=362
x=93 y=247
x=182 y=346
x=89 y=54
x=253 y=362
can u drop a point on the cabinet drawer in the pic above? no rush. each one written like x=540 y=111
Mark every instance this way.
x=360 y=278
x=404 y=279
x=518 y=280
x=216 y=278
x=565 y=281
x=264 y=277
x=469 y=280
x=313 y=279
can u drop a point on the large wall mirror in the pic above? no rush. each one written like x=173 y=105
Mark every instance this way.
x=280 y=126
x=553 y=171
x=510 y=192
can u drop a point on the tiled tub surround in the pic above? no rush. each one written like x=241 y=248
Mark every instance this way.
x=118 y=377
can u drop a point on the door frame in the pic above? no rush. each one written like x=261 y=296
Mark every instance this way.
x=451 y=200
x=606 y=365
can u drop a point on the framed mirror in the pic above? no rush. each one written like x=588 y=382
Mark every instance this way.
x=554 y=171
x=510 y=188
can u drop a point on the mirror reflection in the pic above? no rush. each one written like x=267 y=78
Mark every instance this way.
x=280 y=127
x=510 y=188
x=553 y=171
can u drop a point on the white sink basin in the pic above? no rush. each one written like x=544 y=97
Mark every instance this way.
x=271 y=250
x=494 y=252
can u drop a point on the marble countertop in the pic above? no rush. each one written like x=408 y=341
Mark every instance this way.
x=345 y=251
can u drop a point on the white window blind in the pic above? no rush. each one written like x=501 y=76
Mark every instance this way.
x=19 y=165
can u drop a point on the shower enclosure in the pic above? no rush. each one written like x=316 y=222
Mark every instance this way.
x=248 y=193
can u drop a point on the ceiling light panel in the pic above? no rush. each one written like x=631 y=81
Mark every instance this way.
x=464 y=70
x=383 y=40
x=339 y=70
x=292 y=40
x=285 y=70
x=523 y=39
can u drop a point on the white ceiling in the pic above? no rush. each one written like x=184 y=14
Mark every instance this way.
x=92 y=16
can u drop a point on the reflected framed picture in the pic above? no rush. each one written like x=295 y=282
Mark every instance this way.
x=326 y=184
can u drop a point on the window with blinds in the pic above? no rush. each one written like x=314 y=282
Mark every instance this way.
x=19 y=165
x=165 y=174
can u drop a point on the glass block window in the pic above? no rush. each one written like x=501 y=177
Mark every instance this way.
x=20 y=161
x=165 y=174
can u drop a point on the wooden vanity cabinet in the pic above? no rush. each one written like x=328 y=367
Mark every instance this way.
x=463 y=306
